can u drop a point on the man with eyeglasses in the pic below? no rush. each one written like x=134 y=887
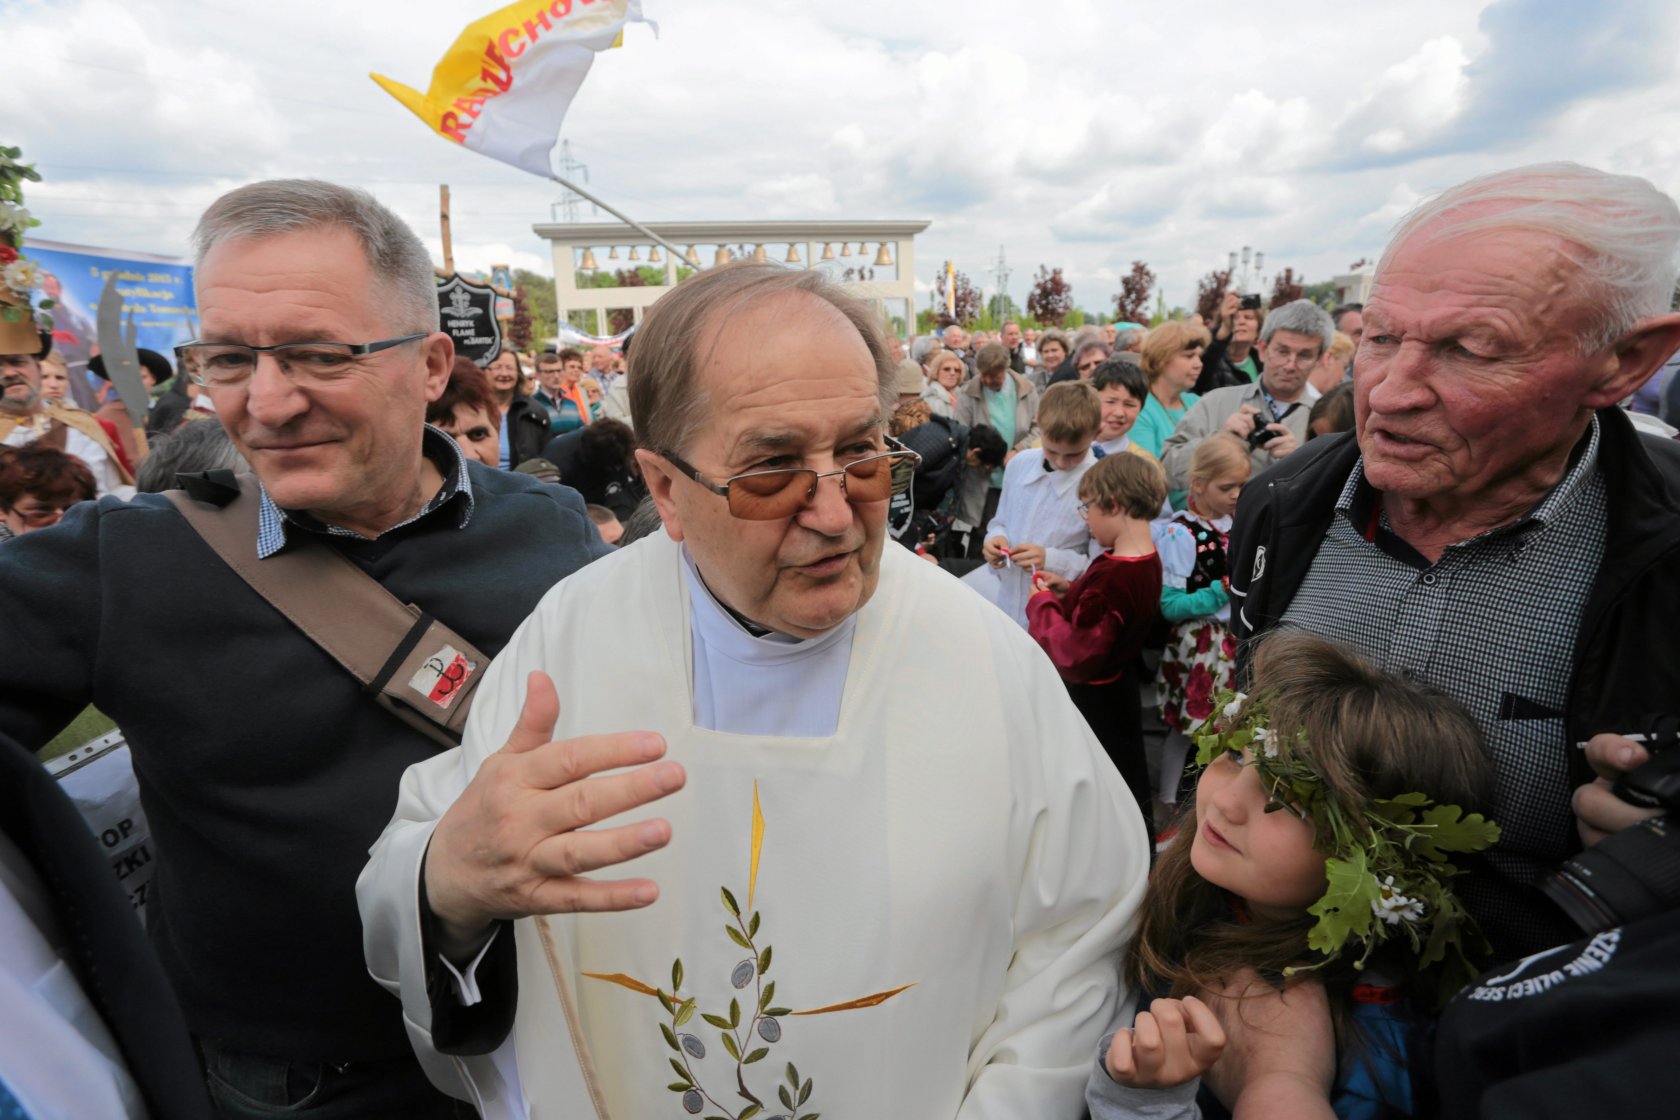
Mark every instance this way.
x=944 y=870
x=265 y=768
x=1270 y=415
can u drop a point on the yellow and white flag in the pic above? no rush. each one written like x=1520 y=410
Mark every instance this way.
x=503 y=88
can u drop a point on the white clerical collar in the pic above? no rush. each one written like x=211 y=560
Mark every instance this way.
x=1115 y=445
x=723 y=632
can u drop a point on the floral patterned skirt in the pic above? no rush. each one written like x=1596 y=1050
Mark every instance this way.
x=1199 y=661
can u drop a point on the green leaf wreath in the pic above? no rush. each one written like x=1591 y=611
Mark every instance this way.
x=1387 y=872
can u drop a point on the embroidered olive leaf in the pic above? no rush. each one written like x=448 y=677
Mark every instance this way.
x=778 y=1012
x=624 y=981
x=752 y=925
x=769 y=993
x=786 y=1097
x=729 y=902
x=679 y=1086
x=685 y=1012
x=734 y=1013
x=805 y=1092
x=670 y=1036
x=1441 y=831
x=793 y=1075
x=676 y=975
x=678 y=1066
x=669 y=1003
x=717 y=1021
x=729 y=1045
x=1345 y=910
x=738 y=937
x=764 y=961
x=756 y=1056
x=750 y=1111
x=851 y=1004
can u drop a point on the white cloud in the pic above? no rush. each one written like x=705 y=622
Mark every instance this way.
x=1082 y=136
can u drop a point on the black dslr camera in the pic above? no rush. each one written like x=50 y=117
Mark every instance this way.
x=1636 y=872
x=1250 y=302
x=1258 y=436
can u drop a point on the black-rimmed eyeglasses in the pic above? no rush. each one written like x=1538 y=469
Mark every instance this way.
x=772 y=495
x=220 y=364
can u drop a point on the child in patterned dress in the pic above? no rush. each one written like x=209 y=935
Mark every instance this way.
x=1199 y=659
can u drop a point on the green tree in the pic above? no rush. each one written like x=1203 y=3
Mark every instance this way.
x=540 y=303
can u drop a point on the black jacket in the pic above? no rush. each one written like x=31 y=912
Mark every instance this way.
x=527 y=423
x=1217 y=370
x=1623 y=670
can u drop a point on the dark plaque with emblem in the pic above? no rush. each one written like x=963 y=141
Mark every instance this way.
x=466 y=311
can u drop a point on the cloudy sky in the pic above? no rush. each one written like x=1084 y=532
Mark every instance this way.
x=1083 y=135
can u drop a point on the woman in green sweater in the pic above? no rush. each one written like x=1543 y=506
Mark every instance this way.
x=1172 y=359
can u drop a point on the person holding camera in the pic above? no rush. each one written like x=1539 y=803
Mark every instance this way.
x=1270 y=415
x=1233 y=356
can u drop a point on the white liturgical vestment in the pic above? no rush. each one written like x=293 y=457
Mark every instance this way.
x=918 y=916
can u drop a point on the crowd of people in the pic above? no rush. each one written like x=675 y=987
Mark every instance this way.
x=842 y=642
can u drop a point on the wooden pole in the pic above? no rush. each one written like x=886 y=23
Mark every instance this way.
x=443 y=220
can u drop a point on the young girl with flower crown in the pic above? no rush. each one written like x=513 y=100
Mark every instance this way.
x=1199 y=658
x=1315 y=849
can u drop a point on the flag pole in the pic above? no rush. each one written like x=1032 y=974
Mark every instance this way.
x=626 y=219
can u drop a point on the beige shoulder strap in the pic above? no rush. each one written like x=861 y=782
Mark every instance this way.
x=410 y=663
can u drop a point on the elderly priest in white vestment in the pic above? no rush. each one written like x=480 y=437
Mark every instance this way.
x=885 y=868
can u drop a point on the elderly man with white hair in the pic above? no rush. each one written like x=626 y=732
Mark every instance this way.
x=1270 y=414
x=1494 y=526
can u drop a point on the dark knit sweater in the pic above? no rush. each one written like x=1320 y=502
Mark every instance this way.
x=265 y=774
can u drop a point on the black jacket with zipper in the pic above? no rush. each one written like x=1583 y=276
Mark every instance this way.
x=1624 y=667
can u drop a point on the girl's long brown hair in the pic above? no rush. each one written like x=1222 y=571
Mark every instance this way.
x=1368 y=734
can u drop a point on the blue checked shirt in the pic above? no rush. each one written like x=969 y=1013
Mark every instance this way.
x=272 y=521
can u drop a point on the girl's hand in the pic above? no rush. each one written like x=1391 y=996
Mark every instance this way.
x=1171 y=1043
x=1027 y=556
x=995 y=550
x=1051 y=582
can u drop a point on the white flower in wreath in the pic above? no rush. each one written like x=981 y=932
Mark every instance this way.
x=1231 y=710
x=1391 y=907
x=13 y=218
x=22 y=275
x=1266 y=741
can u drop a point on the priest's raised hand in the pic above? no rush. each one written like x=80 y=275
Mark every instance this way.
x=515 y=842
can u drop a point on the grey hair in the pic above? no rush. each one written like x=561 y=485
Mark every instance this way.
x=197 y=445
x=1619 y=230
x=1302 y=316
x=923 y=348
x=1095 y=344
x=396 y=258
x=1129 y=339
x=666 y=403
x=1091 y=332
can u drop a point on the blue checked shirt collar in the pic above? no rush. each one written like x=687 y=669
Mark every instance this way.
x=273 y=522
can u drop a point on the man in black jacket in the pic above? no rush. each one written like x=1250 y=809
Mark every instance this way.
x=265 y=768
x=1495 y=525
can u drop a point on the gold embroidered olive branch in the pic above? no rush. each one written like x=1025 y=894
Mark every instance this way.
x=1387 y=875
x=765 y=1021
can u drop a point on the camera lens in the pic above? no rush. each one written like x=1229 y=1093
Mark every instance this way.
x=1627 y=876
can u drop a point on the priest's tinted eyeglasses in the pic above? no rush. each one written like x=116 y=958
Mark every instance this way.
x=772 y=495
